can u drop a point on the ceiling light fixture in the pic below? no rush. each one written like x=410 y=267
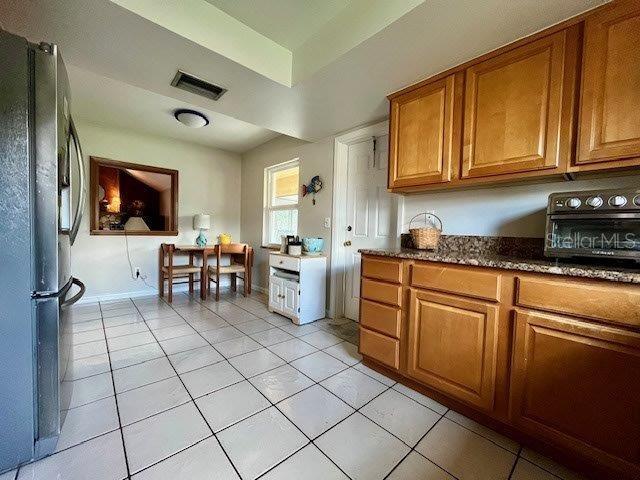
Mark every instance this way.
x=191 y=118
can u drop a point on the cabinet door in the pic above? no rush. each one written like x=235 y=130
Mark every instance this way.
x=290 y=298
x=275 y=293
x=422 y=146
x=453 y=345
x=513 y=110
x=609 y=108
x=577 y=384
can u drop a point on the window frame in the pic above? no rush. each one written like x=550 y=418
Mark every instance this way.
x=94 y=165
x=267 y=208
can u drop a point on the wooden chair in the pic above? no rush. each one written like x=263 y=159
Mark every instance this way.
x=168 y=271
x=214 y=271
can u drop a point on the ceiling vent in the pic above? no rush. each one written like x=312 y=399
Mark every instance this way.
x=193 y=84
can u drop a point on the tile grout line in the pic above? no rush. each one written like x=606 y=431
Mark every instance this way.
x=186 y=319
x=315 y=383
x=244 y=379
x=312 y=441
x=482 y=436
x=319 y=383
x=115 y=398
x=513 y=467
x=273 y=405
x=356 y=410
x=80 y=406
x=428 y=459
x=541 y=467
x=320 y=327
x=204 y=419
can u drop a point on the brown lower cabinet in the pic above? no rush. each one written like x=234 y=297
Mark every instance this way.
x=517 y=354
x=578 y=384
x=436 y=323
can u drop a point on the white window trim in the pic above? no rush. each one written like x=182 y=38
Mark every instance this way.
x=266 y=200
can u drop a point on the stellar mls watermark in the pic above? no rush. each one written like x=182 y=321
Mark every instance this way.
x=603 y=241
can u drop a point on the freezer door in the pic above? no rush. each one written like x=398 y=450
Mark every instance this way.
x=53 y=355
x=47 y=323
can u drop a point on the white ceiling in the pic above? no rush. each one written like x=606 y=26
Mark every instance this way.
x=287 y=22
x=157 y=181
x=106 y=101
x=111 y=41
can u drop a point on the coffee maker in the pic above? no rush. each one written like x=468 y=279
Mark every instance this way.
x=285 y=240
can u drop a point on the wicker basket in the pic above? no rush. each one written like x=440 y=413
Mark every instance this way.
x=426 y=238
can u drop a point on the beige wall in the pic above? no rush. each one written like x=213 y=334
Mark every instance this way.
x=507 y=211
x=315 y=159
x=230 y=187
x=209 y=182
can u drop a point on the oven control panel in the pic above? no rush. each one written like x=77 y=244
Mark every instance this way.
x=595 y=201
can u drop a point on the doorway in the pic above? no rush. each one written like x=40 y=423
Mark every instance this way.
x=366 y=214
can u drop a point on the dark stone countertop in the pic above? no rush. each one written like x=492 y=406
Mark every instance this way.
x=494 y=252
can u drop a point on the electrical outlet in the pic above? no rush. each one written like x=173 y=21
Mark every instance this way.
x=137 y=272
x=327 y=222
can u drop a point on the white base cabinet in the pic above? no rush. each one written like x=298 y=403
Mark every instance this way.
x=297 y=286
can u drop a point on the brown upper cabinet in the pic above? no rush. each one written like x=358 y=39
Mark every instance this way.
x=424 y=137
x=610 y=98
x=514 y=109
x=521 y=112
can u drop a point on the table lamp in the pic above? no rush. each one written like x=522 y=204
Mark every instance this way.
x=201 y=222
x=136 y=224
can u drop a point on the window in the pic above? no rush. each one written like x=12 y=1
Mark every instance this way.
x=280 y=202
x=132 y=199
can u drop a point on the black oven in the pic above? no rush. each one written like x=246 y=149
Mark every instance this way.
x=603 y=224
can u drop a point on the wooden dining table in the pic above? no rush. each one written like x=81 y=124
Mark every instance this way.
x=204 y=252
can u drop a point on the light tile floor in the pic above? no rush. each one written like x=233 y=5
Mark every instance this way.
x=229 y=390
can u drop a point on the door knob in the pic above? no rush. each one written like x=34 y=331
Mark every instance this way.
x=347 y=243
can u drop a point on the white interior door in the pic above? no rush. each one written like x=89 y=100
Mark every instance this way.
x=371 y=212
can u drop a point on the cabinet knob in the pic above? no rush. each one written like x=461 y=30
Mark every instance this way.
x=347 y=243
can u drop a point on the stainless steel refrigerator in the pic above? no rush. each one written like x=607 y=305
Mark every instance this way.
x=42 y=196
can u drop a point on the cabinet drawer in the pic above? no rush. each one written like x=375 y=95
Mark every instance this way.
x=380 y=347
x=381 y=292
x=607 y=302
x=382 y=269
x=285 y=262
x=463 y=281
x=381 y=318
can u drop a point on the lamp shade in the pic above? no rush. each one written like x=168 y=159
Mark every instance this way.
x=136 y=224
x=201 y=222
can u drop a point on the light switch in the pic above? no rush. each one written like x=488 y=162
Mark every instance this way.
x=327 y=222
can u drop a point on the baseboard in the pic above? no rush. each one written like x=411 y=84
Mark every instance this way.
x=152 y=291
x=260 y=289
x=135 y=294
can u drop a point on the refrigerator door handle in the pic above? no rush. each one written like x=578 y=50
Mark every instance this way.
x=82 y=197
x=70 y=301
